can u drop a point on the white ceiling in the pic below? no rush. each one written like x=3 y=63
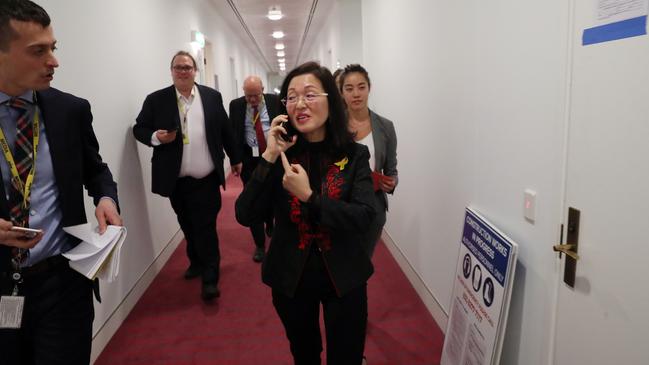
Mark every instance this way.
x=248 y=19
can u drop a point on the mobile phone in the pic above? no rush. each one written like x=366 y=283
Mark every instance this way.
x=27 y=232
x=172 y=130
x=290 y=131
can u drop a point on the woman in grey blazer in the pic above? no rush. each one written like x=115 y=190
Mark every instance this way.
x=377 y=133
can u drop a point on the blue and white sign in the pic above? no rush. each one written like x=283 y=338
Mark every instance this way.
x=481 y=294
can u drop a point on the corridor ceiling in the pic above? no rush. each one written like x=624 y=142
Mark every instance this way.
x=301 y=20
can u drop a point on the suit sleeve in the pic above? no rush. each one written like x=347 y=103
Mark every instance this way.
x=232 y=109
x=227 y=133
x=254 y=204
x=97 y=177
x=144 y=128
x=390 y=168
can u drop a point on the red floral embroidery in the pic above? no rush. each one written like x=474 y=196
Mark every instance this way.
x=332 y=189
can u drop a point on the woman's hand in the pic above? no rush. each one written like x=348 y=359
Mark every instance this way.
x=275 y=144
x=296 y=180
x=387 y=183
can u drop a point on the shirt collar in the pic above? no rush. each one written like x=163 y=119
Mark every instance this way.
x=28 y=96
x=261 y=104
x=191 y=96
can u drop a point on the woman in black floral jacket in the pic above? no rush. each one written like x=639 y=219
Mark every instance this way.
x=317 y=184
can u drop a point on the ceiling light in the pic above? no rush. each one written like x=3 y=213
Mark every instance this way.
x=281 y=54
x=278 y=34
x=279 y=46
x=282 y=64
x=281 y=60
x=274 y=13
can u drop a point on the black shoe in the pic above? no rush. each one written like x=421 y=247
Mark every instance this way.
x=209 y=291
x=192 y=272
x=259 y=254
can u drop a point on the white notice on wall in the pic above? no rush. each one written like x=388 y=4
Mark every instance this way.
x=610 y=11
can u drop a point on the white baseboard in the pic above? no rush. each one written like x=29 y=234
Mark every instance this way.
x=108 y=329
x=432 y=304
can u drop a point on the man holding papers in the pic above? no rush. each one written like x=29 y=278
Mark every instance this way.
x=50 y=153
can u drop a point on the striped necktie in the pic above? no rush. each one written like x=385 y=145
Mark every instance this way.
x=24 y=159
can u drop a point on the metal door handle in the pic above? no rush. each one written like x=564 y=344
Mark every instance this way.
x=567 y=249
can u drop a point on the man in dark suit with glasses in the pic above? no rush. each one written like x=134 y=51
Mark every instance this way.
x=188 y=128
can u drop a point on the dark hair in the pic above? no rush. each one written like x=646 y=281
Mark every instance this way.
x=337 y=73
x=337 y=137
x=183 y=53
x=21 y=10
x=354 y=67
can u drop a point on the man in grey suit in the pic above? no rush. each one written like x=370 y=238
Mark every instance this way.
x=251 y=115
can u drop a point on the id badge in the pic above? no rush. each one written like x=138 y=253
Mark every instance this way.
x=255 y=151
x=11 y=311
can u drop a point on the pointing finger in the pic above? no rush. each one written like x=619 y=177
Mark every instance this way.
x=285 y=163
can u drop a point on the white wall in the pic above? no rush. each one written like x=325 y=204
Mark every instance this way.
x=114 y=54
x=477 y=92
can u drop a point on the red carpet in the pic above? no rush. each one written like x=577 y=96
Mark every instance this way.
x=171 y=324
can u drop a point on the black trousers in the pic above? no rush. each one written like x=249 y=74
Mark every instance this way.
x=257 y=229
x=197 y=203
x=57 y=321
x=345 y=318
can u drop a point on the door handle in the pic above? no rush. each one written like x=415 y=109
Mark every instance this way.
x=570 y=248
x=567 y=249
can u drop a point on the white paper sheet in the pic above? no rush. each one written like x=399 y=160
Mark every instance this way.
x=97 y=255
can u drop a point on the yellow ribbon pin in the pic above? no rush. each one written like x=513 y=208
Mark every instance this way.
x=341 y=164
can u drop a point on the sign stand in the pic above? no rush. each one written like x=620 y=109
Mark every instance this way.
x=481 y=294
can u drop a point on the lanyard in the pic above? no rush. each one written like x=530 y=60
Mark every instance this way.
x=23 y=187
x=256 y=116
x=184 y=110
x=26 y=186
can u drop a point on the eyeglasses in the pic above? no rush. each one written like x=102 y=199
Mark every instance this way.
x=183 y=68
x=308 y=98
x=255 y=96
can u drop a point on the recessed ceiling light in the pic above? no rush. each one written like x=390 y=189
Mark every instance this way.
x=274 y=13
x=281 y=60
x=281 y=54
x=282 y=64
x=279 y=46
x=278 y=34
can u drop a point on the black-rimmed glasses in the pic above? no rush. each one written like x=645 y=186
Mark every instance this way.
x=183 y=68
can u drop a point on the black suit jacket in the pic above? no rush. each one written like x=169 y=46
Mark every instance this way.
x=160 y=111
x=238 y=119
x=346 y=218
x=75 y=158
